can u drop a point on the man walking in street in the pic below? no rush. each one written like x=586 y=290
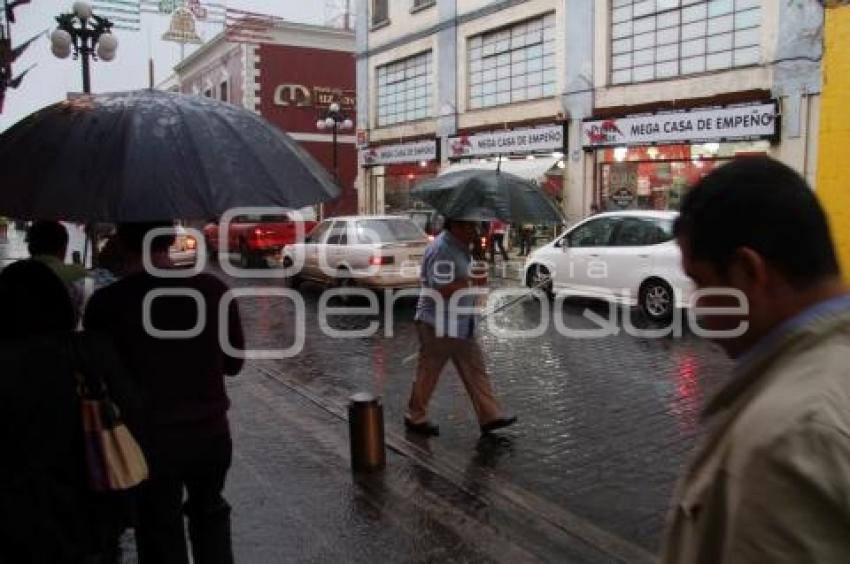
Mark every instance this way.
x=186 y=436
x=770 y=483
x=446 y=270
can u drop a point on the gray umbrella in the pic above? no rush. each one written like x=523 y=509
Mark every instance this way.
x=474 y=194
x=150 y=155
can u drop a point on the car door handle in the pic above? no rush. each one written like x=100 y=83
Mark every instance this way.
x=643 y=256
x=593 y=256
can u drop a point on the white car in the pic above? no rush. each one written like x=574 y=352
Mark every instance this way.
x=184 y=250
x=627 y=257
x=377 y=251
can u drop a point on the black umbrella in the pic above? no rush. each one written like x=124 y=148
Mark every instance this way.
x=474 y=194
x=150 y=155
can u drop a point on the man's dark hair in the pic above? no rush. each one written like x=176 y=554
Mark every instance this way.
x=760 y=203
x=132 y=236
x=47 y=238
x=34 y=301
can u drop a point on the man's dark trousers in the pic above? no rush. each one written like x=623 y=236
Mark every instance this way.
x=200 y=466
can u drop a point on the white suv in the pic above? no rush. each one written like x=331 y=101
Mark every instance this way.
x=375 y=251
x=626 y=257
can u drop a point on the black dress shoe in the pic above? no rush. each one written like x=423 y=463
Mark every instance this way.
x=426 y=428
x=499 y=423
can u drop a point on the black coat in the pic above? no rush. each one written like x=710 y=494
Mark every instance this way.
x=47 y=511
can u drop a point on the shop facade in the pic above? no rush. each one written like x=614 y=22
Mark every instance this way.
x=393 y=169
x=650 y=161
x=535 y=153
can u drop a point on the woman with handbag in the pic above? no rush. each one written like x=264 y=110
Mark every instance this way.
x=47 y=505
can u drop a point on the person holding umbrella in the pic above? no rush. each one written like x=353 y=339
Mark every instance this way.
x=187 y=435
x=447 y=269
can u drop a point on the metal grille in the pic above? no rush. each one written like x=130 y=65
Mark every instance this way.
x=405 y=89
x=513 y=64
x=657 y=39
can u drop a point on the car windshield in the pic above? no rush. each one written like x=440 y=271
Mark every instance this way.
x=388 y=231
x=261 y=219
x=665 y=229
x=420 y=219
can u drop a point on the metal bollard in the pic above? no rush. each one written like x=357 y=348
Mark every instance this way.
x=366 y=433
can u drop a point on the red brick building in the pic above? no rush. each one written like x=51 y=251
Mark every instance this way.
x=289 y=80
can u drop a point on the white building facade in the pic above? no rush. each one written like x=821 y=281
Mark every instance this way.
x=609 y=104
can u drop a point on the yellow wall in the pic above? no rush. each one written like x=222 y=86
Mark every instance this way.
x=833 y=185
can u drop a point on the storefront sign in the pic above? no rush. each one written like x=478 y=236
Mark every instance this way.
x=700 y=125
x=302 y=97
x=362 y=137
x=401 y=153
x=623 y=197
x=537 y=140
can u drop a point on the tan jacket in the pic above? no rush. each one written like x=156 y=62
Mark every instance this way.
x=771 y=484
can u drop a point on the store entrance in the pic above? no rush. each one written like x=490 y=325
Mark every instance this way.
x=656 y=178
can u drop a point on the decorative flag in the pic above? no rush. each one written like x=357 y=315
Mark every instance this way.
x=124 y=14
x=212 y=12
x=249 y=27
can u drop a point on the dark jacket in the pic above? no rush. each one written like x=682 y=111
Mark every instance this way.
x=47 y=511
x=181 y=380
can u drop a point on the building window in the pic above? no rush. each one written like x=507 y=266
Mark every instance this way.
x=223 y=92
x=513 y=64
x=404 y=89
x=208 y=93
x=657 y=39
x=422 y=4
x=380 y=12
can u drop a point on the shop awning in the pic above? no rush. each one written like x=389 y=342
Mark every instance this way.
x=524 y=168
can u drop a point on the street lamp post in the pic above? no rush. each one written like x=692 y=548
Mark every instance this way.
x=336 y=121
x=89 y=37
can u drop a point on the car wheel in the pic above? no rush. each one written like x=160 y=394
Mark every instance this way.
x=657 y=300
x=212 y=252
x=344 y=281
x=293 y=280
x=246 y=260
x=539 y=277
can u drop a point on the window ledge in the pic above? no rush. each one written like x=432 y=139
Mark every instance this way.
x=415 y=9
x=379 y=25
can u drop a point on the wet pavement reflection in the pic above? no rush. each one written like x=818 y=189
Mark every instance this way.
x=604 y=427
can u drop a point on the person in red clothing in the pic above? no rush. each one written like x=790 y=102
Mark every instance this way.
x=186 y=431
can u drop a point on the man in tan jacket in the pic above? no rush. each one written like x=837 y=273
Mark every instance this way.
x=771 y=483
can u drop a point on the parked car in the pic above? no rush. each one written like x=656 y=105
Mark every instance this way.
x=184 y=250
x=428 y=220
x=257 y=239
x=627 y=257
x=370 y=251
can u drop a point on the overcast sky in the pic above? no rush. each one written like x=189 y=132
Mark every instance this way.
x=53 y=78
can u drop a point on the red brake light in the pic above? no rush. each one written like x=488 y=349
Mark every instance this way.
x=431 y=237
x=258 y=232
x=191 y=243
x=380 y=261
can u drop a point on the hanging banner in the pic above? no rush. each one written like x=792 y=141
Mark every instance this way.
x=758 y=121
x=401 y=153
x=523 y=141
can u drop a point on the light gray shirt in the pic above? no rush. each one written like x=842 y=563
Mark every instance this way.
x=446 y=260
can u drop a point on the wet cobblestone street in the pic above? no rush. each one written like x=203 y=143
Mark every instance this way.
x=604 y=424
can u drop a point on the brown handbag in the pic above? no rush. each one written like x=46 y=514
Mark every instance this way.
x=114 y=460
